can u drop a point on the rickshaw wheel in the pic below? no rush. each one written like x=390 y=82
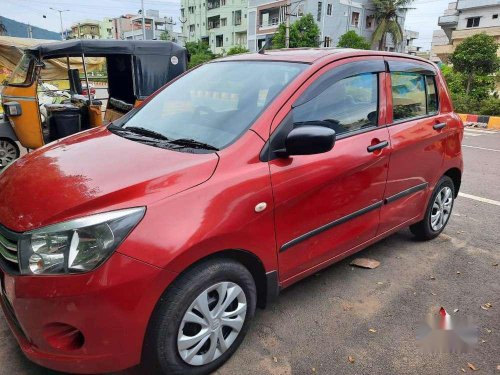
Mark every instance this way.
x=9 y=151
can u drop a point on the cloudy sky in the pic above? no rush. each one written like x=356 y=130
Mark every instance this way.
x=422 y=19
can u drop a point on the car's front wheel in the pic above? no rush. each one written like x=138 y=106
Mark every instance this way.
x=201 y=319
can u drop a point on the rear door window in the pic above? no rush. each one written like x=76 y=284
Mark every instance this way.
x=408 y=95
x=348 y=105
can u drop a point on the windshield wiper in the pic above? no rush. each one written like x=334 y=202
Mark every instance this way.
x=193 y=144
x=140 y=131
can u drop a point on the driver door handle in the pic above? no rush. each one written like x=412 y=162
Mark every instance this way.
x=439 y=126
x=378 y=146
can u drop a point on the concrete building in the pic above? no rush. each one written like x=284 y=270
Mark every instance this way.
x=106 y=28
x=220 y=23
x=464 y=18
x=409 y=46
x=86 y=29
x=334 y=18
x=154 y=26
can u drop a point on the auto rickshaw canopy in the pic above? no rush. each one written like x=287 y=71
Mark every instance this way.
x=135 y=68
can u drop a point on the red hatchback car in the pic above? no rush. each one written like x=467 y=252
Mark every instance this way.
x=154 y=239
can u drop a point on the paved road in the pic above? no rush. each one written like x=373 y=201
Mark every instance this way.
x=319 y=322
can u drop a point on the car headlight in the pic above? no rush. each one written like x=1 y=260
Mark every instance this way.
x=78 y=245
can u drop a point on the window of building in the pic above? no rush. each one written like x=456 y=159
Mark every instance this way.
x=300 y=9
x=237 y=17
x=432 y=97
x=329 y=10
x=328 y=41
x=348 y=105
x=370 y=22
x=473 y=21
x=320 y=7
x=191 y=10
x=495 y=16
x=223 y=22
x=222 y=3
x=408 y=95
x=191 y=28
x=355 y=19
x=219 y=40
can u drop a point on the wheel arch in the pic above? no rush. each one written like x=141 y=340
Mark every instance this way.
x=456 y=176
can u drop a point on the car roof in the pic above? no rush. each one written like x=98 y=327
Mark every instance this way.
x=312 y=55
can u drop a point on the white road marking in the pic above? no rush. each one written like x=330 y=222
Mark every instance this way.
x=482 y=148
x=479 y=199
x=472 y=130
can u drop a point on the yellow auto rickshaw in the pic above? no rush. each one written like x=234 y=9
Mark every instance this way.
x=95 y=82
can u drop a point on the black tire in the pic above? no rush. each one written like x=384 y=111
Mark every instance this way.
x=423 y=230
x=160 y=352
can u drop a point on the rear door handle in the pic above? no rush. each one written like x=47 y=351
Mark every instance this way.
x=439 y=126
x=378 y=146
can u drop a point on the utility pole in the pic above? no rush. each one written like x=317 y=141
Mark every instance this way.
x=143 y=21
x=287 y=26
x=30 y=31
x=60 y=19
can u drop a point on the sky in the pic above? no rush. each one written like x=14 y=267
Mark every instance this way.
x=423 y=18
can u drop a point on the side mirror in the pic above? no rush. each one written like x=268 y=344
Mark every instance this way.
x=309 y=140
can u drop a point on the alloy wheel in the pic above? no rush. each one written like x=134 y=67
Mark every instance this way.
x=8 y=153
x=212 y=323
x=441 y=208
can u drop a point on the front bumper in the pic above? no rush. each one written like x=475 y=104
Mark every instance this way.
x=110 y=307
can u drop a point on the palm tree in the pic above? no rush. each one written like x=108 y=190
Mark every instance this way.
x=386 y=15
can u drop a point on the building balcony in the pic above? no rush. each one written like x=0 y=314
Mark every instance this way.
x=470 y=4
x=448 y=21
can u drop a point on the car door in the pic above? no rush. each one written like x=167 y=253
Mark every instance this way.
x=327 y=204
x=417 y=133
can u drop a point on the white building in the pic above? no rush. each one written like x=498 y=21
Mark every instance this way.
x=334 y=18
x=464 y=18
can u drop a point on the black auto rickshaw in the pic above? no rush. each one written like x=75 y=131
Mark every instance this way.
x=102 y=79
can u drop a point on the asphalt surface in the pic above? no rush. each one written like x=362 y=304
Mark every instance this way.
x=318 y=323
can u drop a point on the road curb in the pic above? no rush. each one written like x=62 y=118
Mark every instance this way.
x=490 y=122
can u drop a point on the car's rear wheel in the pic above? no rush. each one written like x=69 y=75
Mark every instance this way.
x=438 y=211
x=8 y=152
x=201 y=319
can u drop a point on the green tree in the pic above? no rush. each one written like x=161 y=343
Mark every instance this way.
x=165 y=35
x=476 y=56
x=236 y=50
x=386 y=15
x=352 y=40
x=199 y=53
x=303 y=33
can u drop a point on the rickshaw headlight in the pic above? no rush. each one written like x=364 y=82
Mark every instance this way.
x=76 y=246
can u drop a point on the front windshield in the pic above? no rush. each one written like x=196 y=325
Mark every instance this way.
x=215 y=103
x=22 y=72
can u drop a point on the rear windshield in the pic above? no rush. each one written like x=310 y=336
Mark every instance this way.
x=23 y=72
x=216 y=102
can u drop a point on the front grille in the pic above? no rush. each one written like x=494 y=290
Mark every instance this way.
x=8 y=249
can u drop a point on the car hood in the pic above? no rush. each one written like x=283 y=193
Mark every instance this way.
x=91 y=172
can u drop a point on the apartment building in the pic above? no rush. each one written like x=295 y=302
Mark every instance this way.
x=86 y=29
x=106 y=28
x=220 y=23
x=464 y=18
x=334 y=18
